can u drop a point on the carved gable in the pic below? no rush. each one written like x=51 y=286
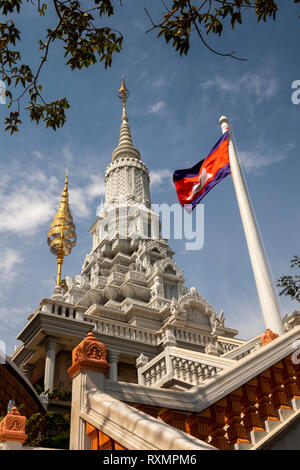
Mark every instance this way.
x=192 y=307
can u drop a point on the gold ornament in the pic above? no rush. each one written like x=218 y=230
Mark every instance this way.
x=62 y=236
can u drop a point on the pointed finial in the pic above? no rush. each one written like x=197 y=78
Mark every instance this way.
x=62 y=236
x=125 y=143
x=123 y=92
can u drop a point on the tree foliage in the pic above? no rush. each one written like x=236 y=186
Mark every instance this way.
x=86 y=41
x=207 y=16
x=290 y=285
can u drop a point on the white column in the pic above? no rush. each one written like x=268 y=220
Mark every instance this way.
x=113 y=357
x=83 y=383
x=141 y=361
x=50 y=347
x=261 y=274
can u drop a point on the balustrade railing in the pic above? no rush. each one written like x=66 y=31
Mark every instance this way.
x=188 y=336
x=247 y=406
x=241 y=350
x=192 y=372
x=172 y=365
x=191 y=337
x=125 y=331
x=245 y=416
x=62 y=309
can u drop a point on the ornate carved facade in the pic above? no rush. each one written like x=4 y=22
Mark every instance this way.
x=130 y=293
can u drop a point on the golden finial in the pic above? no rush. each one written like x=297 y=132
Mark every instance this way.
x=62 y=236
x=123 y=92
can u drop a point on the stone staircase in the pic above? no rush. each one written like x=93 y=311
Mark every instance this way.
x=253 y=403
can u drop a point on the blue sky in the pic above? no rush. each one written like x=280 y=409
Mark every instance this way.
x=174 y=107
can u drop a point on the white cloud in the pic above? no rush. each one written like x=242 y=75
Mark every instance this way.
x=257 y=161
x=158 y=82
x=96 y=187
x=12 y=319
x=28 y=205
x=158 y=177
x=8 y=261
x=78 y=202
x=80 y=198
x=157 y=107
x=37 y=154
x=255 y=84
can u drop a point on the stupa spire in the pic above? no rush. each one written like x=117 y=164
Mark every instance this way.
x=125 y=143
x=62 y=236
x=126 y=178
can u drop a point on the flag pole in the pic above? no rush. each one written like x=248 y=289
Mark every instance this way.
x=261 y=274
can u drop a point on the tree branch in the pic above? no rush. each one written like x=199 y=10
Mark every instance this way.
x=229 y=54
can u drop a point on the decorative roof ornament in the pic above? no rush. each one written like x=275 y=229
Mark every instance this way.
x=125 y=147
x=123 y=92
x=89 y=354
x=268 y=336
x=62 y=236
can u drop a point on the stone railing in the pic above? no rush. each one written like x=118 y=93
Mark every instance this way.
x=250 y=416
x=126 y=331
x=175 y=365
x=229 y=345
x=247 y=405
x=191 y=337
x=62 y=309
x=242 y=350
x=113 y=425
x=101 y=422
x=192 y=372
x=154 y=373
x=199 y=339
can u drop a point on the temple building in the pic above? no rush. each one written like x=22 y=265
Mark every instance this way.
x=130 y=292
x=154 y=351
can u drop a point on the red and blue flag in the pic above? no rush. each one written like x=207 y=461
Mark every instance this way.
x=192 y=184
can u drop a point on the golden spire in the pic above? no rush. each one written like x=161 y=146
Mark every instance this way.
x=62 y=236
x=123 y=92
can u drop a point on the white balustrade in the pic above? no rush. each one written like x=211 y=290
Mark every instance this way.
x=169 y=366
x=111 y=328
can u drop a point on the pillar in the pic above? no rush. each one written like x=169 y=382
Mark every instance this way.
x=88 y=370
x=50 y=347
x=113 y=357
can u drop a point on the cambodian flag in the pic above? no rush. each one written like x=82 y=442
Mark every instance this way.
x=194 y=183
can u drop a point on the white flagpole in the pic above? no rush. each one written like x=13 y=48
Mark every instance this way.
x=261 y=274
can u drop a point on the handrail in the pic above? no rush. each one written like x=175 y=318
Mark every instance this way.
x=133 y=429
